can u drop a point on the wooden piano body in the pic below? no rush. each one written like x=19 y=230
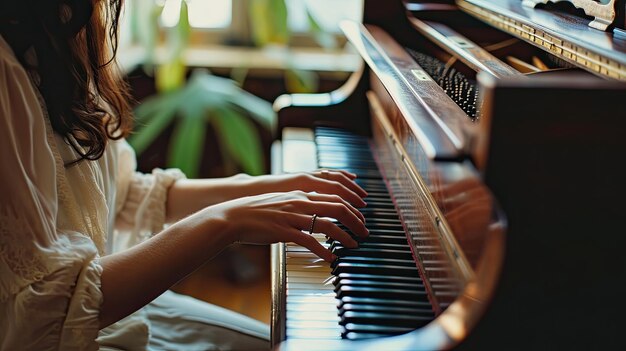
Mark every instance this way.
x=525 y=202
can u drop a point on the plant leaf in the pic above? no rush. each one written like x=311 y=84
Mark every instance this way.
x=239 y=74
x=268 y=22
x=145 y=27
x=322 y=37
x=259 y=22
x=155 y=122
x=239 y=135
x=153 y=104
x=178 y=36
x=278 y=18
x=218 y=92
x=170 y=75
x=300 y=81
x=187 y=143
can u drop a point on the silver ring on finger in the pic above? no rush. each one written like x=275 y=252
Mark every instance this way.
x=313 y=219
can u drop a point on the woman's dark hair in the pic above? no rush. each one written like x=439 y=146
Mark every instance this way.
x=75 y=42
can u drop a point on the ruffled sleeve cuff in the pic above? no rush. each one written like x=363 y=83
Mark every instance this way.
x=144 y=207
x=82 y=324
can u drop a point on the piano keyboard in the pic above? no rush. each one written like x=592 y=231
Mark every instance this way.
x=373 y=291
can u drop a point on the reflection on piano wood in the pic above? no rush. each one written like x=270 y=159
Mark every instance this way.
x=442 y=267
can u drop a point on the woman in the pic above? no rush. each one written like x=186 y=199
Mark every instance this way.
x=68 y=280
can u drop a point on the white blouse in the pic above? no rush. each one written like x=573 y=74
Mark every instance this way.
x=56 y=221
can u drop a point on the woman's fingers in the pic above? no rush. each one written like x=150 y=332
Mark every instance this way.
x=336 y=188
x=344 y=178
x=346 y=173
x=337 y=199
x=324 y=226
x=335 y=210
x=312 y=244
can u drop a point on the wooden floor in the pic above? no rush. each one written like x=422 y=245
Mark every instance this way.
x=237 y=279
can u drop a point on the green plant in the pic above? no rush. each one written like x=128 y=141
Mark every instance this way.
x=209 y=100
x=269 y=26
x=205 y=99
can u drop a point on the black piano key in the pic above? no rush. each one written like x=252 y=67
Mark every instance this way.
x=360 y=336
x=375 y=221
x=383 y=293
x=379 y=288
x=361 y=173
x=367 y=252
x=374 y=245
x=384 y=230
x=377 y=301
x=379 y=213
x=386 y=239
x=375 y=185
x=388 y=319
x=375 y=269
x=375 y=328
x=380 y=284
x=425 y=311
x=375 y=277
x=380 y=229
x=375 y=261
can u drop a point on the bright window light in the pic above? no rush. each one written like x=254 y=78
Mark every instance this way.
x=202 y=13
x=327 y=13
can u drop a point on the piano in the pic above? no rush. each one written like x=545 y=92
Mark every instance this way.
x=490 y=138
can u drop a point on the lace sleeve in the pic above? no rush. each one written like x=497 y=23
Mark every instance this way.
x=49 y=278
x=140 y=200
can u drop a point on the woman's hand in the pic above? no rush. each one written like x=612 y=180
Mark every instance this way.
x=282 y=217
x=187 y=196
x=322 y=181
x=132 y=278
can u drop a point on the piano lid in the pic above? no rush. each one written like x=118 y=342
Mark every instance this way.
x=438 y=123
x=564 y=35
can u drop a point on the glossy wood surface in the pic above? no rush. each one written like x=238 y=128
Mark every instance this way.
x=563 y=35
x=459 y=46
x=439 y=124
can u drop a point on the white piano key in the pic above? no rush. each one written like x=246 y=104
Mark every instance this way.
x=308 y=261
x=301 y=254
x=308 y=274
x=309 y=307
x=313 y=334
x=312 y=316
x=310 y=293
x=297 y=248
x=309 y=268
x=308 y=286
x=311 y=300
x=310 y=280
x=296 y=324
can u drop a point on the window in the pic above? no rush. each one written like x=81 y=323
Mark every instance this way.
x=328 y=13
x=202 y=13
x=220 y=34
x=229 y=17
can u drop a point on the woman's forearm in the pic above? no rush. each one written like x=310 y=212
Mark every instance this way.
x=133 y=278
x=187 y=196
